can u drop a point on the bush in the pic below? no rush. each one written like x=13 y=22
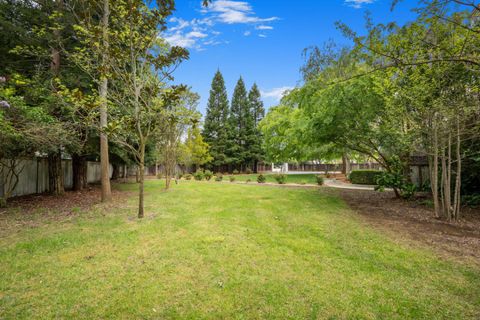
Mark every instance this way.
x=235 y=171
x=320 y=180
x=219 y=177
x=471 y=200
x=303 y=182
x=261 y=178
x=188 y=176
x=199 y=175
x=396 y=179
x=365 y=176
x=280 y=178
x=159 y=176
x=179 y=176
x=248 y=180
x=232 y=178
x=248 y=171
x=208 y=175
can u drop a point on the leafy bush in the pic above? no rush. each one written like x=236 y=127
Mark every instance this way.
x=219 y=177
x=364 y=176
x=261 y=178
x=199 y=175
x=472 y=200
x=395 y=178
x=248 y=171
x=208 y=175
x=232 y=178
x=280 y=178
x=179 y=176
x=248 y=180
x=159 y=176
x=320 y=180
x=235 y=171
x=188 y=176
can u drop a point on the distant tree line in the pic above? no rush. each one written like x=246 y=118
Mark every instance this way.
x=231 y=130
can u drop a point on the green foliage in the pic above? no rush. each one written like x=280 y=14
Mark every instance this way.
x=261 y=178
x=472 y=200
x=194 y=151
x=232 y=178
x=235 y=171
x=218 y=177
x=188 y=176
x=248 y=180
x=320 y=180
x=280 y=178
x=364 y=176
x=215 y=130
x=199 y=175
x=395 y=178
x=248 y=171
x=208 y=175
x=180 y=176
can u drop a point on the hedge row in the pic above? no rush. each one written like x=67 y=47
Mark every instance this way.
x=364 y=176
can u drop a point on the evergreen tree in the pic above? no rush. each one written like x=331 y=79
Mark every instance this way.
x=240 y=124
x=257 y=113
x=215 y=131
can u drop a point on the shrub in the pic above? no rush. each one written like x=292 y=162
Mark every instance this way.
x=248 y=171
x=396 y=179
x=208 y=175
x=219 y=177
x=364 y=176
x=199 y=175
x=179 y=176
x=159 y=176
x=471 y=200
x=320 y=180
x=261 y=178
x=303 y=182
x=235 y=171
x=188 y=176
x=232 y=178
x=280 y=178
x=248 y=180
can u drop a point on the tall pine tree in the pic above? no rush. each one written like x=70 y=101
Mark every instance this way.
x=240 y=125
x=257 y=113
x=216 y=129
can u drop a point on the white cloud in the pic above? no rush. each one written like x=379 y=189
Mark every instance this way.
x=357 y=4
x=262 y=35
x=232 y=12
x=199 y=33
x=275 y=93
x=264 y=27
x=186 y=40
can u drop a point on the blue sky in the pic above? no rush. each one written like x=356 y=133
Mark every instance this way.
x=262 y=40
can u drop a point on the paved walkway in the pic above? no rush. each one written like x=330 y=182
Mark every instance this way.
x=342 y=185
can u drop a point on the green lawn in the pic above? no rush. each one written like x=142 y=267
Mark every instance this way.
x=291 y=178
x=227 y=251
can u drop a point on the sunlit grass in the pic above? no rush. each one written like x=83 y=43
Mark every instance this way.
x=227 y=251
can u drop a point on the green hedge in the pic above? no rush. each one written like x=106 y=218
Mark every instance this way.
x=364 y=176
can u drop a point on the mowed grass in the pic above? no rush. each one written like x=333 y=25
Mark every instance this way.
x=227 y=251
x=291 y=178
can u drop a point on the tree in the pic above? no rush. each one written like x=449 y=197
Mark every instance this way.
x=141 y=69
x=195 y=151
x=257 y=112
x=216 y=128
x=240 y=123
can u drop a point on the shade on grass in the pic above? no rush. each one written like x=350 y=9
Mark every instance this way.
x=217 y=251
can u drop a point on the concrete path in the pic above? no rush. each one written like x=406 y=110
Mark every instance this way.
x=342 y=185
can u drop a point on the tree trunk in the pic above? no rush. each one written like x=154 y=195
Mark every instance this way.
x=116 y=171
x=458 y=180
x=103 y=92
x=79 y=168
x=434 y=171
x=55 y=174
x=141 y=178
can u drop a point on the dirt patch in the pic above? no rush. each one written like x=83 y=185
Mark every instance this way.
x=35 y=210
x=413 y=220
